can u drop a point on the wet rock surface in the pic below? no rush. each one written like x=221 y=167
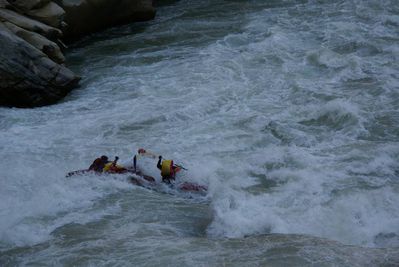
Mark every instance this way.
x=87 y=16
x=28 y=78
x=32 y=71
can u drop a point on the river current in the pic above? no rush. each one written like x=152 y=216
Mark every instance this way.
x=287 y=110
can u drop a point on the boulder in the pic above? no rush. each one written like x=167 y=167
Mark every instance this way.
x=29 y=24
x=87 y=16
x=51 y=49
x=28 y=78
x=26 y=5
x=51 y=14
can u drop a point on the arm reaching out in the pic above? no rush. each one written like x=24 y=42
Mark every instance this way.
x=159 y=166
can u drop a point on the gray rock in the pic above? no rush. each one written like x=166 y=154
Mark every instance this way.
x=25 y=5
x=4 y=4
x=51 y=49
x=29 y=74
x=29 y=24
x=88 y=16
x=28 y=78
x=51 y=14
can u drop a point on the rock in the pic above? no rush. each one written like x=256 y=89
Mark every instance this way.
x=4 y=4
x=30 y=24
x=88 y=16
x=31 y=73
x=26 y=5
x=51 y=14
x=28 y=78
x=51 y=49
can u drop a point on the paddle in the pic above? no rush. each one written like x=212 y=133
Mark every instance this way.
x=78 y=172
x=181 y=167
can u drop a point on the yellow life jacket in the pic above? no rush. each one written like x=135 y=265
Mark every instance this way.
x=167 y=168
x=109 y=167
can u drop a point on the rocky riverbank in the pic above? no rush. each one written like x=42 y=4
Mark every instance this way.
x=32 y=70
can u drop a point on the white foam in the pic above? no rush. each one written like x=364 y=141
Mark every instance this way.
x=263 y=112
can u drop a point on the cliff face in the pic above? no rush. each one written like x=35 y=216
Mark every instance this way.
x=32 y=71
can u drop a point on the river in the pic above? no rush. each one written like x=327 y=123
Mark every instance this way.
x=288 y=110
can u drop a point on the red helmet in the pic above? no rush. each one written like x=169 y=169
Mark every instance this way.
x=141 y=150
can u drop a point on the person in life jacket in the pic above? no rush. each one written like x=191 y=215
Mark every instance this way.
x=135 y=170
x=102 y=164
x=168 y=170
x=112 y=167
x=99 y=164
x=140 y=152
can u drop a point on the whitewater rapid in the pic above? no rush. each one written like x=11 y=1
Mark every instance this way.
x=287 y=110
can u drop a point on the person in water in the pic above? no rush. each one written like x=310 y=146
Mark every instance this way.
x=112 y=167
x=135 y=170
x=140 y=152
x=168 y=170
x=99 y=164
x=102 y=164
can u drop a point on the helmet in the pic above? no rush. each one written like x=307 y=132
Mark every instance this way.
x=104 y=158
x=141 y=150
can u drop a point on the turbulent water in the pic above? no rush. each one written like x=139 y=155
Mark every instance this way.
x=287 y=110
